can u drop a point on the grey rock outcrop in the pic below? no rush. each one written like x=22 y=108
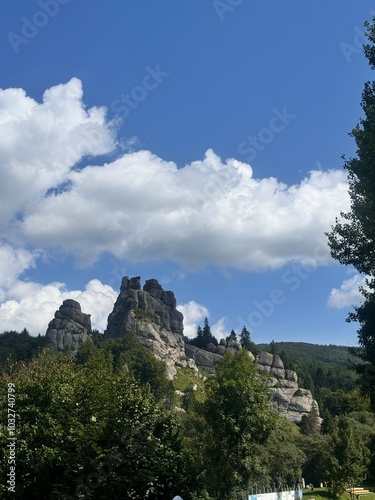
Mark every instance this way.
x=70 y=327
x=288 y=399
x=151 y=314
x=204 y=360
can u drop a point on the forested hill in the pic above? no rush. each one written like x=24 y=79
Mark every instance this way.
x=318 y=366
x=338 y=355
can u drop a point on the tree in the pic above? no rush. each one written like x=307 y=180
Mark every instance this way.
x=87 y=430
x=144 y=366
x=352 y=239
x=231 y=336
x=19 y=346
x=284 y=456
x=199 y=341
x=347 y=457
x=204 y=336
x=235 y=421
x=207 y=334
x=310 y=423
x=247 y=343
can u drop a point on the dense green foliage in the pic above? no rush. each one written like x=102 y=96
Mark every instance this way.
x=232 y=440
x=318 y=366
x=88 y=429
x=105 y=424
x=19 y=346
x=352 y=239
x=346 y=457
x=101 y=426
x=204 y=336
x=144 y=366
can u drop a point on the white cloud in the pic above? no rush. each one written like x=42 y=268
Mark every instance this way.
x=41 y=142
x=33 y=305
x=13 y=262
x=348 y=294
x=219 y=329
x=194 y=315
x=141 y=207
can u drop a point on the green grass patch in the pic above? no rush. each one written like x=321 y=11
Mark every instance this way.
x=324 y=494
x=187 y=378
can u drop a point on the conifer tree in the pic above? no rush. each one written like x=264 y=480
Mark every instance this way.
x=352 y=239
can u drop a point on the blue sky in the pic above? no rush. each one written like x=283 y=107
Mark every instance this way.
x=195 y=142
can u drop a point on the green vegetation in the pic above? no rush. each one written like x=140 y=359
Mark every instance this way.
x=325 y=494
x=19 y=346
x=328 y=371
x=88 y=429
x=352 y=239
x=107 y=424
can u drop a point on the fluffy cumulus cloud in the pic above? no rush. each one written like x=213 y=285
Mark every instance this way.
x=41 y=142
x=13 y=262
x=33 y=305
x=140 y=207
x=194 y=315
x=348 y=294
x=220 y=330
x=143 y=208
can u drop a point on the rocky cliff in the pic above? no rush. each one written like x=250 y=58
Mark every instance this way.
x=150 y=312
x=70 y=327
x=206 y=359
x=288 y=399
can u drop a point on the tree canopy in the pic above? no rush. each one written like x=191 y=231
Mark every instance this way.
x=352 y=239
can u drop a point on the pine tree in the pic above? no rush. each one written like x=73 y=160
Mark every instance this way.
x=207 y=334
x=247 y=343
x=231 y=336
x=352 y=239
x=199 y=340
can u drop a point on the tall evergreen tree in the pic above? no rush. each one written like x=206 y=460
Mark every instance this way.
x=207 y=334
x=199 y=341
x=246 y=341
x=352 y=239
x=231 y=336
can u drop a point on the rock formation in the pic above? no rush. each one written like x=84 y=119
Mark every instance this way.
x=288 y=399
x=206 y=359
x=151 y=314
x=70 y=327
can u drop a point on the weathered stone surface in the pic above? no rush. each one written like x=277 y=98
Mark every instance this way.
x=264 y=368
x=210 y=347
x=279 y=373
x=220 y=349
x=70 y=327
x=251 y=356
x=292 y=403
x=288 y=399
x=204 y=360
x=152 y=316
x=233 y=346
x=265 y=358
x=277 y=362
x=291 y=375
